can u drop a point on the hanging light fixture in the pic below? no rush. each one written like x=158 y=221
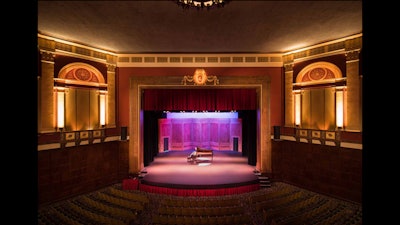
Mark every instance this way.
x=200 y=4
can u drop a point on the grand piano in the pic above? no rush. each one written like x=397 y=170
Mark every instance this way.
x=200 y=155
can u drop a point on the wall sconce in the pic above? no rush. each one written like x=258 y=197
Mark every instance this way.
x=102 y=108
x=297 y=108
x=60 y=107
x=339 y=108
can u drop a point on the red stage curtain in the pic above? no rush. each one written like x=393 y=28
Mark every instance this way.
x=224 y=99
x=199 y=192
x=199 y=99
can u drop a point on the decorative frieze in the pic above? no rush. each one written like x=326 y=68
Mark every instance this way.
x=200 y=59
x=187 y=59
x=212 y=59
x=346 y=44
x=352 y=44
x=203 y=60
x=47 y=43
x=99 y=55
x=323 y=137
x=336 y=46
x=162 y=59
x=77 y=138
x=237 y=59
x=250 y=59
x=149 y=59
x=64 y=47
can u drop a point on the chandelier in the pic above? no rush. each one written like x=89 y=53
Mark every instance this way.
x=200 y=4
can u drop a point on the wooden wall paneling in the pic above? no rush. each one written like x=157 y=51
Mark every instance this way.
x=80 y=169
x=330 y=170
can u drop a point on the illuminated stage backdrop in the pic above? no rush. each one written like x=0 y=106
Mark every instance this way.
x=216 y=131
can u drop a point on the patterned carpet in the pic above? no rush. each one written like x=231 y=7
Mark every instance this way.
x=281 y=204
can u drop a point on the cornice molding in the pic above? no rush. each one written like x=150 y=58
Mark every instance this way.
x=339 y=46
x=61 y=47
x=200 y=60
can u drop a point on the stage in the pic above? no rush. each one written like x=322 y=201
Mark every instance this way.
x=227 y=172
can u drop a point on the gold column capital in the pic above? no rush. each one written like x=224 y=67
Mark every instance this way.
x=288 y=59
x=353 y=55
x=288 y=67
x=111 y=67
x=47 y=56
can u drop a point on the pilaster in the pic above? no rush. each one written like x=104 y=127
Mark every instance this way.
x=111 y=105
x=289 y=101
x=46 y=107
x=353 y=116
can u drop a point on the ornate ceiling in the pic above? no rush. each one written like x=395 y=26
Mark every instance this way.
x=241 y=26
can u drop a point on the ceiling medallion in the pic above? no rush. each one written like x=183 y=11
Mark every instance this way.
x=200 y=77
x=200 y=4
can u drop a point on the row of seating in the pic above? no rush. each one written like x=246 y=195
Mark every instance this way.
x=282 y=204
x=126 y=214
x=239 y=219
x=201 y=211
x=133 y=195
x=132 y=205
x=311 y=209
x=73 y=213
x=269 y=195
x=199 y=202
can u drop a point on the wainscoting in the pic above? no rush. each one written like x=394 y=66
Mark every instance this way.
x=331 y=170
x=69 y=171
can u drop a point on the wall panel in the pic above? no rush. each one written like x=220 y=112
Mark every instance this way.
x=330 y=170
x=210 y=133
x=67 y=172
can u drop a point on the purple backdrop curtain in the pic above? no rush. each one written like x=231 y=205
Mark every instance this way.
x=199 y=99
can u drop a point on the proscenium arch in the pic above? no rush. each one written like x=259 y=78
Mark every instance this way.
x=136 y=134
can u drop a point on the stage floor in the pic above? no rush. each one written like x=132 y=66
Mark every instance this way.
x=227 y=168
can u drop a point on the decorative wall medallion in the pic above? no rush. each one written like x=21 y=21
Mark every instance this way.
x=97 y=133
x=303 y=133
x=330 y=135
x=70 y=136
x=81 y=74
x=317 y=73
x=200 y=77
x=84 y=135
x=316 y=134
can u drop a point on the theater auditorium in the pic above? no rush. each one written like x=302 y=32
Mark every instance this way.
x=200 y=112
